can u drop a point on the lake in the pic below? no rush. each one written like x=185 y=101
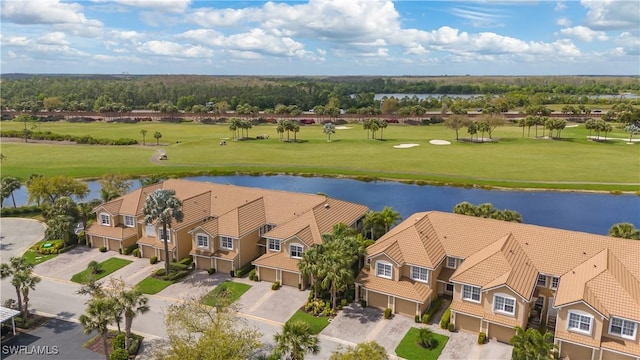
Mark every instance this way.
x=588 y=212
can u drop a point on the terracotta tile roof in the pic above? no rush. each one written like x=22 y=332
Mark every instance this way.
x=152 y=241
x=200 y=252
x=113 y=232
x=445 y=274
x=278 y=260
x=467 y=308
x=223 y=254
x=405 y=288
x=195 y=209
x=112 y=207
x=508 y=321
x=563 y=334
x=621 y=345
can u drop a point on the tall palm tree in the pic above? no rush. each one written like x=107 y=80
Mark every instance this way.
x=532 y=344
x=8 y=186
x=17 y=267
x=311 y=265
x=337 y=275
x=157 y=135
x=390 y=217
x=144 y=134
x=98 y=315
x=295 y=341
x=162 y=206
x=133 y=302
x=28 y=282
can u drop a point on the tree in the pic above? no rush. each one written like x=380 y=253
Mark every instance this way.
x=456 y=122
x=374 y=223
x=311 y=265
x=162 y=206
x=472 y=129
x=98 y=315
x=7 y=187
x=133 y=302
x=337 y=274
x=198 y=331
x=624 y=231
x=486 y=210
x=426 y=338
x=20 y=271
x=492 y=122
x=390 y=218
x=329 y=129
x=363 y=351
x=144 y=134
x=295 y=341
x=533 y=345
x=28 y=282
x=48 y=189
x=157 y=135
x=113 y=186
x=632 y=129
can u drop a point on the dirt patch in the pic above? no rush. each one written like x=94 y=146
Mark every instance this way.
x=405 y=146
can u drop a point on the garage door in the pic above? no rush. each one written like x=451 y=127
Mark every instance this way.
x=609 y=355
x=405 y=307
x=574 y=352
x=290 y=279
x=501 y=333
x=469 y=323
x=203 y=263
x=224 y=266
x=97 y=242
x=268 y=275
x=377 y=300
x=114 y=245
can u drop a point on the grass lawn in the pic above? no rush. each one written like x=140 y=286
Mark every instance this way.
x=33 y=257
x=151 y=285
x=410 y=350
x=514 y=160
x=108 y=266
x=316 y=324
x=236 y=289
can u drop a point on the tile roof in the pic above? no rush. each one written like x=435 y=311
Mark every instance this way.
x=113 y=232
x=621 y=345
x=155 y=243
x=405 y=288
x=278 y=260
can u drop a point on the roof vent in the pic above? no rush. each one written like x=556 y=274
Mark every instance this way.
x=526 y=243
x=326 y=205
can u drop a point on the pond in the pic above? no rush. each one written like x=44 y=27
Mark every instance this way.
x=588 y=212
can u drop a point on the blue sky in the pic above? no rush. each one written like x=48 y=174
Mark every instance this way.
x=321 y=37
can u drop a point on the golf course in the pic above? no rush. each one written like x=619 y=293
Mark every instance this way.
x=572 y=162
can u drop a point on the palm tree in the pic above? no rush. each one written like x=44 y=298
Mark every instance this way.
x=28 y=282
x=8 y=186
x=144 y=133
x=532 y=344
x=295 y=341
x=373 y=221
x=163 y=206
x=133 y=302
x=329 y=129
x=157 y=135
x=624 y=231
x=19 y=269
x=337 y=275
x=390 y=217
x=311 y=265
x=98 y=316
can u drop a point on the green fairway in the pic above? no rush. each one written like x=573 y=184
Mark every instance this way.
x=108 y=266
x=572 y=162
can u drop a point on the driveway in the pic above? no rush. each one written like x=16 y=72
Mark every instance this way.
x=196 y=284
x=17 y=235
x=273 y=305
x=57 y=339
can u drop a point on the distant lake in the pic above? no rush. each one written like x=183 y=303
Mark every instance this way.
x=588 y=212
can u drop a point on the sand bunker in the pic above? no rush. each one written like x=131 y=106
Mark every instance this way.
x=343 y=127
x=572 y=126
x=405 y=146
x=439 y=142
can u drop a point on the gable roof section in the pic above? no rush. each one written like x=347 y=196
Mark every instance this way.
x=502 y=263
x=112 y=207
x=604 y=283
x=196 y=208
x=243 y=219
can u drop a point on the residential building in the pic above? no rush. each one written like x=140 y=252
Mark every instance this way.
x=585 y=287
x=225 y=227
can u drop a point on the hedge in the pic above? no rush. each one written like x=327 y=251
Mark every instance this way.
x=22 y=210
x=86 y=139
x=244 y=270
x=446 y=318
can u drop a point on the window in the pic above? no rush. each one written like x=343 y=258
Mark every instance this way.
x=419 y=274
x=580 y=322
x=539 y=304
x=274 y=244
x=295 y=251
x=265 y=229
x=504 y=304
x=105 y=219
x=542 y=280
x=451 y=263
x=448 y=287
x=383 y=269
x=554 y=282
x=150 y=230
x=471 y=293
x=226 y=242
x=129 y=221
x=202 y=240
x=624 y=328
x=161 y=235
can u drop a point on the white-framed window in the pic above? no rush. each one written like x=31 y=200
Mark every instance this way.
x=419 y=274
x=384 y=269
x=542 y=280
x=471 y=293
x=295 y=251
x=580 y=322
x=451 y=262
x=150 y=230
x=274 y=244
x=129 y=221
x=555 y=281
x=105 y=219
x=202 y=240
x=623 y=328
x=161 y=235
x=226 y=242
x=504 y=304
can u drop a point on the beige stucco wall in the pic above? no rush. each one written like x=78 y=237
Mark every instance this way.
x=522 y=308
x=597 y=327
x=395 y=273
x=248 y=246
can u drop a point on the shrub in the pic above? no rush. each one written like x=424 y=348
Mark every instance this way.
x=65 y=249
x=103 y=249
x=232 y=273
x=363 y=303
x=452 y=327
x=153 y=260
x=446 y=318
x=178 y=266
x=186 y=261
x=130 y=249
x=426 y=318
x=252 y=275
x=118 y=341
x=94 y=267
x=244 y=270
x=387 y=313
x=178 y=275
x=426 y=338
x=211 y=271
x=482 y=338
x=160 y=272
x=343 y=302
x=119 y=354
x=417 y=319
x=275 y=285
x=134 y=346
x=136 y=252
x=299 y=286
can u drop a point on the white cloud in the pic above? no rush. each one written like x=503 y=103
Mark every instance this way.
x=173 y=6
x=612 y=14
x=560 y=5
x=563 y=21
x=29 y=12
x=53 y=38
x=172 y=49
x=584 y=33
x=479 y=17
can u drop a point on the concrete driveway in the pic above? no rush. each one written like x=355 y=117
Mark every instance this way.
x=273 y=305
x=197 y=284
x=17 y=235
x=56 y=339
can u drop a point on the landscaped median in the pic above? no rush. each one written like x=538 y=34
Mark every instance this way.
x=233 y=289
x=151 y=285
x=160 y=280
x=99 y=270
x=409 y=347
x=39 y=252
x=316 y=323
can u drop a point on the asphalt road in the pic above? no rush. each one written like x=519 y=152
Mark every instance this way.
x=17 y=235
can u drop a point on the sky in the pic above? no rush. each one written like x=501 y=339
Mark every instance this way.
x=321 y=37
